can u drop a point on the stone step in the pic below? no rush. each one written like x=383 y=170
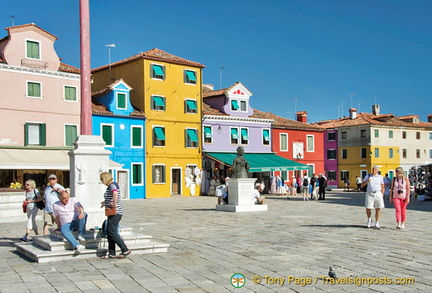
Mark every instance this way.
x=41 y=255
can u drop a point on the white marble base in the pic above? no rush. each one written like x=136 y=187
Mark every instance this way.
x=243 y=208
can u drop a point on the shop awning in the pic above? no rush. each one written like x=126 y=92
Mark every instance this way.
x=13 y=159
x=260 y=162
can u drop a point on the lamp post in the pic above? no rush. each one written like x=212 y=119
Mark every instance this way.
x=109 y=57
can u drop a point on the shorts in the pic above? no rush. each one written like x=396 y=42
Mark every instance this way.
x=305 y=189
x=49 y=219
x=374 y=200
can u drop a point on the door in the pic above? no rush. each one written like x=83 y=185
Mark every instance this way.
x=175 y=182
x=122 y=180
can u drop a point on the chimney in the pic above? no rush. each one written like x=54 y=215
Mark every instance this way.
x=353 y=113
x=302 y=116
x=429 y=118
x=208 y=87
x=376 y=109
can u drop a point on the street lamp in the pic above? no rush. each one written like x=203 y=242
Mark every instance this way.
x=109 y=57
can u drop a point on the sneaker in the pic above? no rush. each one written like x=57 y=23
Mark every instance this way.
x=79 y=248
x=369 y=223
x=24 y=238
x=80 y=238
x=377 y=225
x=402 y=226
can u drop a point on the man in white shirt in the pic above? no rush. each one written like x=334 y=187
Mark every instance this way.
x=69 y=215
x=51 y=195
x=374 y=196
x=257 y=195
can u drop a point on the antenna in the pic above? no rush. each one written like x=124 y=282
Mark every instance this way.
x=295 y=106
x=342 y=108
x=13 y=19
x=375 y=97
x=220 y=76
x=109 y=57
x=352 y=95
x=358 y=104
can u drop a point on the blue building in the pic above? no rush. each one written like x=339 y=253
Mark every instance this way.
x=122 y=128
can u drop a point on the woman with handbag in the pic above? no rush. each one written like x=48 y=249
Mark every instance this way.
x=114 y=212
x=400 y=196
x=32 y=196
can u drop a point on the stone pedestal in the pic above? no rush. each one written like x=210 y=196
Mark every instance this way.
x=240 y=196
x=87 y=161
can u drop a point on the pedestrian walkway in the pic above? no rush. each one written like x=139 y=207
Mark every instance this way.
x=280 y=250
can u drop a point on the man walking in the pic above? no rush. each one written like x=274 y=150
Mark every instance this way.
x=374 y=196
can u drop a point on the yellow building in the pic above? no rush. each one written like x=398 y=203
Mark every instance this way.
x=168 y=89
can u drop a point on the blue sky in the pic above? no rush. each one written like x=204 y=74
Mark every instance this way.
x=320 y=56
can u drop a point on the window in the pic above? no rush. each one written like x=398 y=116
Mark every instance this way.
x=70 y=134
x=190 y=106
x=404 y=153
x=376 y=132
x=107 y=131
x=234 y=136
x=310 y=146
x=137 y=173
x=266 y=136
x=244 y=136
x=136 y=136
x=430 y=153
x=208 y=134
x=418 y=153
x=363 y=153
x=344 y=135
x=363 y=133
x=34 y=89
x=190 y=77
x=32 y=49
x=391 y=153
x=331 y=154
x=158 y=174
x=243 y=106
x=417 y=135
x=234 y=105
x=430 y=135
x=283 y=142
x=158 y=71
x=377 y=153
x=390 y=133
x=331 y=136
x=158 y=136
x=158 y=103
x=344 y=174
x=121 y=101
x=35 y=134
x=331 y=175
x=191 y=138
x=404 y=135
x=70 y=93
x=344 y=153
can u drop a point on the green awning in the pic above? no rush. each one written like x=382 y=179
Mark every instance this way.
x=234 y=134
x=192 y=135
x=159 y=101
x=234 y=104
x=260 y=162
x=191 y=104
x=266 y=134
x=207 y=132
x=191 y=75
x=158 y=70
x=244 y=134
x=160 y=135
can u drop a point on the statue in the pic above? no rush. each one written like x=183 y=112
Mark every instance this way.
x=240 y=166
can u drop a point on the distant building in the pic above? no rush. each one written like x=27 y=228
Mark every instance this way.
x=123 y=129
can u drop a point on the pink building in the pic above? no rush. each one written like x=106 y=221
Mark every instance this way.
x=39 y=108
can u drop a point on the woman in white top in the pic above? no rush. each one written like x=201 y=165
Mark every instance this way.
x=32 y=195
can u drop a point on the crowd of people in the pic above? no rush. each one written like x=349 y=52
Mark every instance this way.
x=68 y=214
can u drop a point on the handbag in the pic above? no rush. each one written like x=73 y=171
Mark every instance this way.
x=40 y=204
x=24 y=207
x=110 y=211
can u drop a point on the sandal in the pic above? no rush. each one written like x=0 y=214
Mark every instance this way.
x=124 y=254
x=108 y=256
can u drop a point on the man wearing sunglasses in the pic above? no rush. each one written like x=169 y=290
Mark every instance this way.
x=51 y=195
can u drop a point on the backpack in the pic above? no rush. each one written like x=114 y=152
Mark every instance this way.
x=305 y=182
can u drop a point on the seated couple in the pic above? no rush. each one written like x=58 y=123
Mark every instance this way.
x=69 y=215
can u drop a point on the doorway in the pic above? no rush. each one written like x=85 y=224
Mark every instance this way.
x=122 y=180
x=175 y=181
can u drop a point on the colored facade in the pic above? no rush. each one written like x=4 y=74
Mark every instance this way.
x=123 y=130
x=385 y=140
x=40 y=107
x=167 y=89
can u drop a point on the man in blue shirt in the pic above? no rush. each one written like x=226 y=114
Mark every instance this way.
x=374 y=196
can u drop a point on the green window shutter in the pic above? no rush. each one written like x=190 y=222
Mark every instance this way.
x=158 y=70
x=192 y=135
x=42 y=134
x=234 y=105
x=71 y=134
x=26 y=133
x=159 y=101
x=136 y=173
x=266 y=135
x=33 y=89
x=234 y=133
x=33 y=50
x=207 y=132
x=159 y=132
x=121 y=101
x=191 y=104
x=190 y=75
x=107 y=134
x=70 y=93
x=244 y=134
x=136 y=136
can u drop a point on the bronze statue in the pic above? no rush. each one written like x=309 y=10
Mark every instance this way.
x=240 y=166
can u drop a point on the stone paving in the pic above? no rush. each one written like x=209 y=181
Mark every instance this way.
x=293 y=242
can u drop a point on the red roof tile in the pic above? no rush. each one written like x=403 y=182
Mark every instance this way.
x=207 y=93
x=30 y=25
x=68 y=68
x=285 y=123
